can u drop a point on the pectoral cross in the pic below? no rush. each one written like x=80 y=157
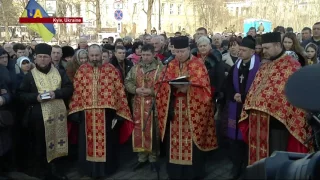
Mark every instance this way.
x=241 y=78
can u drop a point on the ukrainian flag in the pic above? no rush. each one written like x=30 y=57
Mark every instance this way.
x=46 y=31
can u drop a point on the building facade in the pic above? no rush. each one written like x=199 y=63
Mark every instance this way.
x=174 y=16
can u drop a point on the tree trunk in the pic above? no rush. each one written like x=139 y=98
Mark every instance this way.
x=98 y=16
x=149 y=14
x=78 y=9
x=71 y=27
x=62 y=11
x=6 y=27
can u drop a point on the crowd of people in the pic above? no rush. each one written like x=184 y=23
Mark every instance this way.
x=177 y=97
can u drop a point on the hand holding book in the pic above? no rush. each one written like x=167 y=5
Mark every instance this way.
x=182 y=80
x=181 y=84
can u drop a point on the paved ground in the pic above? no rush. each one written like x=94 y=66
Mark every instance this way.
x=218 y=167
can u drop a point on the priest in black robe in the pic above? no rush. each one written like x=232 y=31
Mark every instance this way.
x=240 y=78
x=45 y=90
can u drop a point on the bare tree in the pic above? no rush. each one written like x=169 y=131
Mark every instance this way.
x=77 y=5
x=98 y=15
x=149 y=15
x=9 y=17
x=212 y=14
x=97 y=12
x=62 y=6
x=287 y=13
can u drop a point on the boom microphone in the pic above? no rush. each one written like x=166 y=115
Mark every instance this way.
x=303 y=88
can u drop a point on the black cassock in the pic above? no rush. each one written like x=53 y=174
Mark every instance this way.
x=99 y=169
x=238 y=149
x=33 y=134
x=184 y=172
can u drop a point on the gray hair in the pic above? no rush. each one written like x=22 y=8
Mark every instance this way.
x=93 y=46
x=217 y=36
x=82 y=39
x=128 y=38
x=156 y=37
x=203 y=40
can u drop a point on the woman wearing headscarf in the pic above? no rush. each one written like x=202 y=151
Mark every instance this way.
x=24 y=64
x=80 y=57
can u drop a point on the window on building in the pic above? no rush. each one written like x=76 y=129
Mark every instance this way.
x=162 y=8
x=179 y=9
x=171 y=8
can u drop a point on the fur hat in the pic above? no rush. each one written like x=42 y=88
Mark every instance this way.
x=67 y=51
x=274 y=37
x=43 y=48
x=180 y=42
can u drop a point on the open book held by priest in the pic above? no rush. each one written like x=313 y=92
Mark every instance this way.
x=182 y=80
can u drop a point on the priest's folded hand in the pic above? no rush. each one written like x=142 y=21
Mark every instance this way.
x=237 y=97
x=146 y=92
x=52 y=95
x=39 y=98
x=182 y=88
x=139 y=91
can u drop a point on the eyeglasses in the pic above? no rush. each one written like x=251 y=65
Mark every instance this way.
x=104 y=42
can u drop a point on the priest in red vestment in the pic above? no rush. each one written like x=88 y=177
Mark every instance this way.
x=100 y=104
x=268 y=121
x=185 y=114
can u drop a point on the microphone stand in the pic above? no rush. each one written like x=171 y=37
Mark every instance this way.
x=152 y=109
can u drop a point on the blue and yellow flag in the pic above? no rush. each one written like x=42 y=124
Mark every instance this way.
x=34 y=10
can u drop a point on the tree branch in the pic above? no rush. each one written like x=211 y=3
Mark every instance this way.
x=144 y=11
x=91 y=11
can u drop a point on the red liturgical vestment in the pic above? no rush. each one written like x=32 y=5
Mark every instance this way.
x=193 y=111
x=142 y=140
x=97 y=89
x=266 y=99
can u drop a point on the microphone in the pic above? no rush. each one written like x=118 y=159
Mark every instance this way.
x=302 y=88
x=167 y=61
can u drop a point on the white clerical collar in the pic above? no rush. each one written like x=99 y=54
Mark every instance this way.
x=253 y=59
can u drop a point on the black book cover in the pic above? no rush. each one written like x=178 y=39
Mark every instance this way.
x=180 y=80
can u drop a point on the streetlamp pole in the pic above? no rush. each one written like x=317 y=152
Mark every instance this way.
x=159 y=15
